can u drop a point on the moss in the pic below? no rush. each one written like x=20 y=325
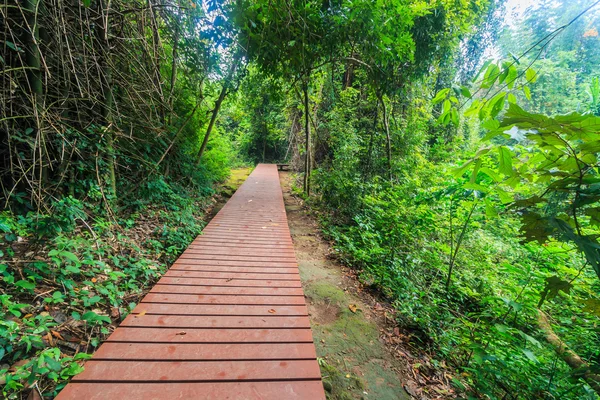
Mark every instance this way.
x=324 y=292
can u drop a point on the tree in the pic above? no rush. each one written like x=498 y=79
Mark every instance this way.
x=289 y=39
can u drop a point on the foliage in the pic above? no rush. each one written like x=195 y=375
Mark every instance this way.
x=63 y=296
x=472 y=215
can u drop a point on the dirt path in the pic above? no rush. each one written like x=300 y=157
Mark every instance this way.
x=355 y=364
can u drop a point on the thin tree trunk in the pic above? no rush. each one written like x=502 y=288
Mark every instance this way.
x=264 y=150
x=174 y=66
x=307 y=163
x=156 y=61
x=372 y=136
x=215 y=111
x=107 y=91
x=386 y=124
x=34 y=79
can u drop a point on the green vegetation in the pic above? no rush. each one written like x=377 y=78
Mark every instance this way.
x=103 y=109
x=465 y=191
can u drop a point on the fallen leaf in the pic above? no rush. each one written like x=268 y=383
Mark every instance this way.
x=229 y=280
x=141 y=314
x=249 y=201
x=352 y=307
x=412 y=388
x=57 y=335
x=94 y=280
x=28 y=316
x=347 y=375
x=180 y=333
x=272 y=311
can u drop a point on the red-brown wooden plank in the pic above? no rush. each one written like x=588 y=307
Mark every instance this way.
x=261 y=291
x=198 y=371
x=257 y=258
x=192 y=351
x=221 y=321
x=199 y=335
x=228 y=282
x=291 y=390
x=233 y=275
x=215 y=309
x=256 y=270
x=241 y=263
x=221 y=299
x=212 y=250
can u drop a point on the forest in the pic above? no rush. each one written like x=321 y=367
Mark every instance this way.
x=449 y=148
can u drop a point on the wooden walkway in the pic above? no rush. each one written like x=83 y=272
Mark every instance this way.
x=227 y=321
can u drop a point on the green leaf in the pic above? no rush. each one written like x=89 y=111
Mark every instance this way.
x=536 y=228
x=489 y=172
x=513 y=74
x=490 y=210
x=505 y=197
x=458 y=172
x=94 y=318
x=446 y=106
x=86 y=3
x=527 y=92
x=440 y=96
x=52 y=363
x=491 y=75
x=554 y=285
x=69 y=256
x=465 y=92
x=531 y=75
x=496 y=104
x=13 y=46
x=529 y=354
x=592 y=306
x=505 y=161
x=28 y=285
x=454 y=116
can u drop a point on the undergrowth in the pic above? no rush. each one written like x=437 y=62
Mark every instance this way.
x=69 y=276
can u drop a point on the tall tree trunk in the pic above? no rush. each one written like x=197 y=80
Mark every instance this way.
x=386 y=124
x=156 y=61
x=264 y=150
x=371 y=138
x=307 y=160
x=34 y=79
x=107 y=92
x=215 y=111
x=174 y=65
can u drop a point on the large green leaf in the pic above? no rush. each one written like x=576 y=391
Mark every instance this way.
x=505 y=161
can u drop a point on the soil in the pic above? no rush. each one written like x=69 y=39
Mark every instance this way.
x=355 y=362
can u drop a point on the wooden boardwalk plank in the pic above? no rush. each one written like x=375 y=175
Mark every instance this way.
x=221 y=321
x=222 y=299
x=216 y=309
x=206 y=352
x=259 y=291
x=291 y=390
x=198 y=371
x=227 y=321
